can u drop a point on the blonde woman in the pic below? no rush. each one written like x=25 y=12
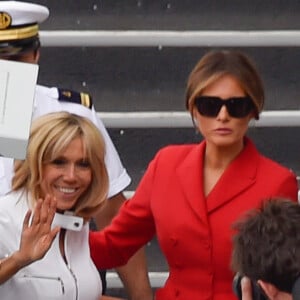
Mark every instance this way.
x=65 y=159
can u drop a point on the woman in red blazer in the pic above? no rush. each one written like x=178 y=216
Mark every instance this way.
x=191 y=194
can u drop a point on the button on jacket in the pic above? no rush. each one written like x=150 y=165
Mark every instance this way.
x=193 y=231
x=50 y=277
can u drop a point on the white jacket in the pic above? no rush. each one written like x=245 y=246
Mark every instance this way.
x=46 y=101
x=51 y=277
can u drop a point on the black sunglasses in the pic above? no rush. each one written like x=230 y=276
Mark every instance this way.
x=237 y=107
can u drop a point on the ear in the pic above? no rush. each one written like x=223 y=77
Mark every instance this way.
x=251 y=116
x=194 y=118
x=195 y=121
x=270 y=290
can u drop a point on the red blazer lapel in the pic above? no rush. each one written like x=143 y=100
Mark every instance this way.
x=240 y=175
x=234 y=180
x=190 y=174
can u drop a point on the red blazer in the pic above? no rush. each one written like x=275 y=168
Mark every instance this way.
x=194 y=231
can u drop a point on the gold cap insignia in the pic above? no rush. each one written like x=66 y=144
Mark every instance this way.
x=85 y=99
x=67 y=94
x=5 y=20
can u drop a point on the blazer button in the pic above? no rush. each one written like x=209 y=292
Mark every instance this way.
x=174 y=241
x=206 y=245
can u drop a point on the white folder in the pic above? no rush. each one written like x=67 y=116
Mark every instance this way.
x=17 y=90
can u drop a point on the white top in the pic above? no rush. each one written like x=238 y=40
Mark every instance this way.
x=46 y=102
x=50 y=277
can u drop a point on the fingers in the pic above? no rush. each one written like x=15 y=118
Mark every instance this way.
x=246 y=288
x=37 y=210
x=51 y=209
x=44 y=211
x=45 y=207
x=54 y=232
x=27 y=219
x=38 y=236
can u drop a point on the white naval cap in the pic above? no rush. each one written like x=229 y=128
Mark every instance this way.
x=21 y=13
x=19 y=25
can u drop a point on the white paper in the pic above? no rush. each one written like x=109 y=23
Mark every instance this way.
x=17 y=89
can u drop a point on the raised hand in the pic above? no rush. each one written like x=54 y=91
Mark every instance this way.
x=36 y=239
x=37 y=236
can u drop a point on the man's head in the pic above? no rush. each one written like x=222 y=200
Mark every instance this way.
x=19 y=38
x=266 y=247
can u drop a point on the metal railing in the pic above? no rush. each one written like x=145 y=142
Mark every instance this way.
x=157 y=279
x=177 y=119
x=166 y=38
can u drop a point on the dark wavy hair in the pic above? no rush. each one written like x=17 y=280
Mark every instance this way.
x=267 y=244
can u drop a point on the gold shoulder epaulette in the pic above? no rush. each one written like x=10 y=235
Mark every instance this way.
x=75 y=97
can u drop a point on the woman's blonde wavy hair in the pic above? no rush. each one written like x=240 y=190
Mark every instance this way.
x=49 y=137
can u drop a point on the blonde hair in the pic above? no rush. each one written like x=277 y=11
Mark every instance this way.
x=49 y=137
x=216 y=64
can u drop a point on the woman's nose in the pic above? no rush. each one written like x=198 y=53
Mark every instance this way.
x=70 y=172
x=223 y=113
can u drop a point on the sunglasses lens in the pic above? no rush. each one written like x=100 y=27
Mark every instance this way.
x=236 y=107
x=208 y=106
x=239 y=107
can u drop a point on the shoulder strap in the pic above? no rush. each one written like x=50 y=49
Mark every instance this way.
x=75 y=97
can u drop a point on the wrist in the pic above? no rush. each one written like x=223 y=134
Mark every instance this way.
x=19 y=261
x=2 y=260
x=10 y=265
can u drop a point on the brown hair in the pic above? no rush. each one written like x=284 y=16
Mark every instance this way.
x=216 y=64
